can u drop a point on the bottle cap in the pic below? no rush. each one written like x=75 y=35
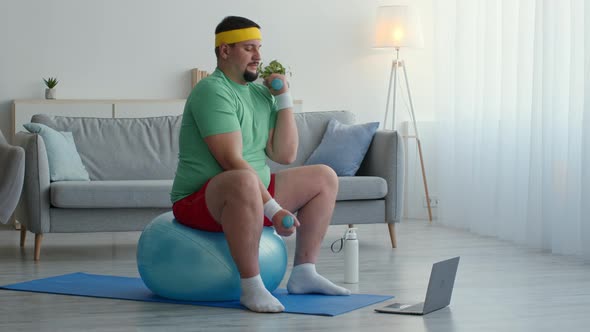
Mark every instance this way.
x=351 y=234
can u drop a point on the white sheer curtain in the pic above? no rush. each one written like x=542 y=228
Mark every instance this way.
x=513 y=120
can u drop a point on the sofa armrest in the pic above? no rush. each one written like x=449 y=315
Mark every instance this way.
x=33 y=207
x=385 y=158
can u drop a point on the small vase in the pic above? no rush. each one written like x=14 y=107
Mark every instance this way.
x=50 y=93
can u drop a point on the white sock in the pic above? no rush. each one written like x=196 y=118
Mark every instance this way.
x=257 y=298
x=304 y=280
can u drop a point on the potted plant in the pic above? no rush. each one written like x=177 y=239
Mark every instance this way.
x=50 y=82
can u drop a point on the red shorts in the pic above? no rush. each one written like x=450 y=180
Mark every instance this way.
x=192 y=210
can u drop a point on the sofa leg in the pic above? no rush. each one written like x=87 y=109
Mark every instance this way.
x=38 y=239
x=392 y=234
x=23 y=235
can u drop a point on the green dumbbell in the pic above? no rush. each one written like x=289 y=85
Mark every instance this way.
x=277 y=84
x=288 y=221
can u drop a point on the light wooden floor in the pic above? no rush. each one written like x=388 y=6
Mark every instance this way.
x=499 y=286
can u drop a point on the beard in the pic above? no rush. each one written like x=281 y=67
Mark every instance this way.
x=250 y=76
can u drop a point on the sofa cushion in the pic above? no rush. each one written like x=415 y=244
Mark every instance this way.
x=156 y=193
x=123 y=149
x=111 y=194
x=353 y=188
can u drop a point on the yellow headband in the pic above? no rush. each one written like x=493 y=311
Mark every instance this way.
x=236 y=36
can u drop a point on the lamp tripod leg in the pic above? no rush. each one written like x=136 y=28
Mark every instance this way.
x=388 y=98
x=424 y=178
x=412 y=114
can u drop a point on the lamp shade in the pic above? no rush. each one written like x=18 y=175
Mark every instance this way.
x=398 y=26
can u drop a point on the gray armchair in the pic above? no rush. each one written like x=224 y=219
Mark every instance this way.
x=12 y=173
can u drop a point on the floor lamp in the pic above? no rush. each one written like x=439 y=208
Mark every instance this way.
x=399 y=26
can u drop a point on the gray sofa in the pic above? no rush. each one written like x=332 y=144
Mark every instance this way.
x=131 y=164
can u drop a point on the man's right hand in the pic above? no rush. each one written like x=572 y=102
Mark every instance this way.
x=277 y=221
x=268 y=81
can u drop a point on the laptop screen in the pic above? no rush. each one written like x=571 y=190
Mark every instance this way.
x=440 y=286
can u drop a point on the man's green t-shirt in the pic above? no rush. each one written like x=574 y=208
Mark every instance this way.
x=218 y=105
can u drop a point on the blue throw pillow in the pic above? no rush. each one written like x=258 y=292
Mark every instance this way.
x=63 y=157
x=343 y=147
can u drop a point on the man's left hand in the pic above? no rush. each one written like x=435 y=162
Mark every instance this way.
x=277 y=221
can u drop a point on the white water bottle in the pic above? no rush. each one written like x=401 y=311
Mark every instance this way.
x=351 y=257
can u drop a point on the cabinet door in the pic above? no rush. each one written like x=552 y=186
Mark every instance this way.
x=23 y=111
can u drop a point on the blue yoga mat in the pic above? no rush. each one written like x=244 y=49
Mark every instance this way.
x=127 y=288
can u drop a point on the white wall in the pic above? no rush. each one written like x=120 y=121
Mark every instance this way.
x=145 y=49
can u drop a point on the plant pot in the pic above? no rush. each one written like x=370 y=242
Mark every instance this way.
x=50 y=93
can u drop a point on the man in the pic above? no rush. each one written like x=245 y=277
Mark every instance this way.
x=230 y=125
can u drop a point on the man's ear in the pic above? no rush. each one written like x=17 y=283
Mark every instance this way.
x=224 y=51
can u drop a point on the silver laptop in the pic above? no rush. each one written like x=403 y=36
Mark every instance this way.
x=438 y=295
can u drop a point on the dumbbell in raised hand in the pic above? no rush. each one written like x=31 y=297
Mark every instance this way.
x=277 y=84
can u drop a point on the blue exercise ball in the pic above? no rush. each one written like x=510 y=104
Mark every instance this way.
x=181 y=263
